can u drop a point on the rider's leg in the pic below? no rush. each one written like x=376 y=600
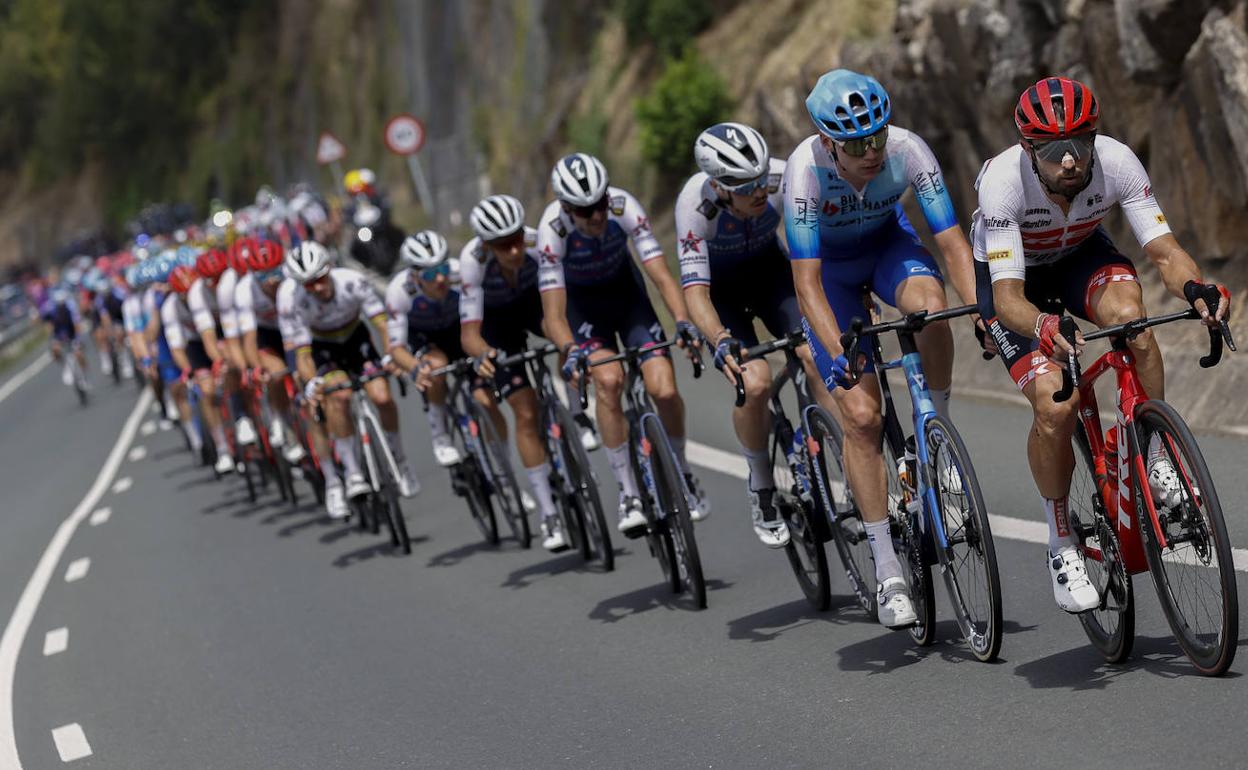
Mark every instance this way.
x=660 y=380
x=337 y=408
x=936 y=340
x=1049 y=450
x=279 y=399
x=210 y=411
x=752 y=423
x=524 y=408
x=436 y=393
x=1120 y=301
x=609 y=388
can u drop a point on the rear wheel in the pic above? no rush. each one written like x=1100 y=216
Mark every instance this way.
x=826 y=467
x=596 y=538
x=797 y=506
x=1193 y=571
x=497 y=467
x=386 y=500
x=670 y=490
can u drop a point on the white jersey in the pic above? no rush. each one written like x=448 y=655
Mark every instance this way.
x=1017 y=226
x=253 y=307
x=133 y=318
x=177 y=321
x=152 y=301
x=225 y=303
x=484 y=283
x=302 y=317
x=570 y=257
x=407 y=307
x=202 y=300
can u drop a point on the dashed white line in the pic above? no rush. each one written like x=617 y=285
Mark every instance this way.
x=77 y=569
x=148 y=428
x=123 y=483
x=71 y=742
x=55 y=641
x=136 y=454
x=28 y=603
x=19 y=379
x=100 y=516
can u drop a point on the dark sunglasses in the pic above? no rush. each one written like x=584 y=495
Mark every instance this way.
x=585 y=212
x=1054 y=151
x=507 y=242
x=743 y=187
x=856 y=148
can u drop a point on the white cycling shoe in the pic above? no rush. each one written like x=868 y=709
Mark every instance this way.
x=553 y=539
x=225 y=464
x=892 y=598
x=1165 y=484
x=244 y=431
x=768 y=525
x=1072 y=589
x=589 y=434
x=336 y=502
x=409 y=485
x=527 y=501
x=632 y=520
x=445 y=451
x=699 y=505
x=357 y=485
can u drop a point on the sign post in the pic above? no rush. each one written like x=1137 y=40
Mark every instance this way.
x=405 y=135
x=329 y=151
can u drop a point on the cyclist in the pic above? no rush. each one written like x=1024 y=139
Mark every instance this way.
x=213 y=312
x=60 y=316
x=1040 y=249
x=320 y=308
x=135 y=319
x=110 y=299
x=260 y=337
x=182 y=330
x=734 y=269
x=847 y=234
x=594 y=299
x=165 y=373
x=422 y=303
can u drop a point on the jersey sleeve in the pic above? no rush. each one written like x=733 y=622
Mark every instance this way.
x=245 y=306
x=294 y=328
x=175 y=335
x=398 y=302
x=694 y=215
x=1000 y=208
x=925 y=176
x=1135 y=193
x=552 y=242
x=362 y=291
x=201 y=313
x=637 y=225
x=800 y=193
x=132 y=314
x=471 y=293
x=225 y=304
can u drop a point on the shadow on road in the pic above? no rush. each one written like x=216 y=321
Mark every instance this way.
x=896 y=649
x=382 y=548
x=617 y=608
x=1082 y=668
x=569 y=562
x=758 y=626
x=456 y=555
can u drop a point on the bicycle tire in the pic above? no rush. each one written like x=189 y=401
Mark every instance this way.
x=387 y=496
x=1111 y=626
x=502 y=477
x=1211 y=656
x=113 y=362
x=825 y=439
x=593 y=520
x=469 y=482
x=246 y=472
x=798 y=508
x=909 y=544
x=670 y=490
x=981 y=626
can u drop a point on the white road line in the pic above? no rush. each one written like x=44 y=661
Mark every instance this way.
x=1008 y=527
x=123 y=483
x=77 y=569
x=100 y=516
x=71 y=742
x=149 y=428
x=17 y=380
x=28 y=603
x=136 y=454
x=55 y=641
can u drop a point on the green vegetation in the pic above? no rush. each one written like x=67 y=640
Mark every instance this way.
x=669 y=24
x=687 y=97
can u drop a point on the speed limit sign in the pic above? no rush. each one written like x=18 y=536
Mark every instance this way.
x=404 y=134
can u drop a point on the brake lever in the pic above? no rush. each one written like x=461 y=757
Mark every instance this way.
x=582 y=388
x=737 y=384
x=1070 y=375
x=851 y=342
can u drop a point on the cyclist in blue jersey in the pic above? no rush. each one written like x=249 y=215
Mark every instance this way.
x=848 y=235
x=61 y=317
x=594 y=299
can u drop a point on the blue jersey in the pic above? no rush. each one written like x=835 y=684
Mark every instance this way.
x=826 y=218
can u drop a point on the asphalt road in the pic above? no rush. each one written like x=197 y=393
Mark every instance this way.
x=210 y=633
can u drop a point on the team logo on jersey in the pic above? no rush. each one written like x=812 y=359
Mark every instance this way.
x=806 y=213
x=993 y=256
x=530 y=238
x=690 y=242
x=708 y=209
x=830 y=208
x=1094 y=199
x=643 y=226
x=556 y=224
x=548 y=255
x=1161 y=219
x=729 y=226
x=617 y=205
x=1148 y=191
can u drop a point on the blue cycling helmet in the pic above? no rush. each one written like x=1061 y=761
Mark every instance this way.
x=846 y=105
x=162 y=266
x=134 y=278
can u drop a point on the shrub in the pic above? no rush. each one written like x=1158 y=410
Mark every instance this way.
x=687 y=97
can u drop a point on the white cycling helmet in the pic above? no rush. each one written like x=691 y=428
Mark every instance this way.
x=423 y=250
x=308 y=262
x=579 y=179
x=731 y=153
x=498 y=216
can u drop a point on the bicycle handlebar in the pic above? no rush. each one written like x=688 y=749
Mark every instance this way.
x=1070 y=375
x=527 y=355
x=789 y=341
x=851 y=341
x=357 y=382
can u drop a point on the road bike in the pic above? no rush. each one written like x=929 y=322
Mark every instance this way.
x=1124 y=529
x=256 y=390
x=72 y=373
x=935 y=506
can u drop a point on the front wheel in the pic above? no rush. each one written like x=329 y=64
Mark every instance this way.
x=1193 y=569
x=595 y=536
x=496 y=462
x=670 y=490
x=798 y=507
x=826 y=468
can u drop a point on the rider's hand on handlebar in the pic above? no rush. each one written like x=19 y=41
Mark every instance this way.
x=985 y=339
x=421 y=374
x=1193 y=292
x=842 y=375
x=1051 y=340
x=728 y=358
x=571 y=364
x=312 y=390
x=687 y=335
x=483 y=364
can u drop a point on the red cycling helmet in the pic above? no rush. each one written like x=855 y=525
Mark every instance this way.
x=268 y=257
x=211 y=263
x=181 y=278
x=240 y=254
x=1053 y=108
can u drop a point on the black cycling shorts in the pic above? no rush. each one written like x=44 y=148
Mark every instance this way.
x=507 y=328
x=762 y=289
x=1065 y=285
x=198 y=356
x=615 y=315
x=445 y=340
x=270 y=339
x=351 y=355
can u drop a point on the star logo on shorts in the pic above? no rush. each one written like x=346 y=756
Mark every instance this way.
x=690 y=242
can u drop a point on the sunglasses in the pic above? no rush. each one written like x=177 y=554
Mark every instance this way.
x=856 y=148
x=507 y=242
x=270 y=275
x=746 y=187
x=1055 y=151
x=432 y=273
x=585 y=212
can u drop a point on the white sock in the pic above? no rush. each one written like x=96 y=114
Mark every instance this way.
x=1057 y=513
x=760 y=469
x=218 y=435
x=396 y=446
x=192 y=433
x=346 y=454
x=437 y=420
x=539 y=479
x=1156 y=451
x=886 y=562
x=940 y=400
x=678 y=445
x=618 y=457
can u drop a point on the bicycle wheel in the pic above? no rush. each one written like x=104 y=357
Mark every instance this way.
x=798 y=507
x=969 y=558
x=113 y=363
x=826 y=467
x=1193 y=572
x=496 y=462
x=670 y=490
x=468 y=482
x=1111 y=626
x=386 y=501
x=908 y=542
x=245 y=468
x=595 y=536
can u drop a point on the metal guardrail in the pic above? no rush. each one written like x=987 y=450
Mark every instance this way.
x=16 y=332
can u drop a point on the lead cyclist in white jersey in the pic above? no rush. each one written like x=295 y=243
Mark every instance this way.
x=1040 y=250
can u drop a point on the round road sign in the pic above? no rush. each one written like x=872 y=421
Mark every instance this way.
x=404 y=135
